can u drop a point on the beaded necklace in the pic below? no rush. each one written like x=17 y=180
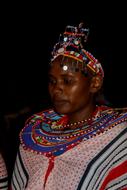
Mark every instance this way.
x=38 y=135
x=62 y=123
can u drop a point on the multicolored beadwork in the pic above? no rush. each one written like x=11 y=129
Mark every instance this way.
x=39 y=136
x=71 y=44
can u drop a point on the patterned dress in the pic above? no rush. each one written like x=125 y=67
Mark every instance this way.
x=3 y=175
x=92 y=156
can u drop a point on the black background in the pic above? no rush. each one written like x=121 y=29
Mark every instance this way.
x=29 y=32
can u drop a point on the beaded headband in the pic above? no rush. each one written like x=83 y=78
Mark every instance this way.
x=71 y=44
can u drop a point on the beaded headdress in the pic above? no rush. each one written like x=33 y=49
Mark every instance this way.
x=71 y=45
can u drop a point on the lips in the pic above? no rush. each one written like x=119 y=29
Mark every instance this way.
x=59 y=101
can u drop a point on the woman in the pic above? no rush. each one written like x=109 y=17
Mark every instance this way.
x=77 y=144
x=3 y=161
x=3 y=174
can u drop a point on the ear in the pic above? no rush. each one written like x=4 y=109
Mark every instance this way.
x=96 y=84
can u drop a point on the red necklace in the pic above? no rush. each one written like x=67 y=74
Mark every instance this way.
x=62 y=123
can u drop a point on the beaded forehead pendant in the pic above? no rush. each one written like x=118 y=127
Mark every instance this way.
x=71 y=47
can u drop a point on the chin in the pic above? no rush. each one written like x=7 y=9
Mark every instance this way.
x=62 y=110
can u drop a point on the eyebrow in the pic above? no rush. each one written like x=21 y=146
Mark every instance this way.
x=62 y=75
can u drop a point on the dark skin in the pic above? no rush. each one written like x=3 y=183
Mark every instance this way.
x=72 y=93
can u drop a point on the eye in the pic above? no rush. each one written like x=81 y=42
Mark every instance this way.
x=51 y=81
x=68 y=81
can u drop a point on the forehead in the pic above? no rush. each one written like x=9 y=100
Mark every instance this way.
x=66 y=65
x=69 y=64
x=59 y=67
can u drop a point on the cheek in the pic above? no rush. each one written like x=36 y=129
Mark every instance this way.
x=79 y=93
x=80 y=89
x=75 y=92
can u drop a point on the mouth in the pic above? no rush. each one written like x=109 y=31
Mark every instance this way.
x=59 y=102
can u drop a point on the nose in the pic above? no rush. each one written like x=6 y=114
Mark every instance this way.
x=57 y=89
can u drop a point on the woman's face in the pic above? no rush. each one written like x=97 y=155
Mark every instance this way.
x=70 y=91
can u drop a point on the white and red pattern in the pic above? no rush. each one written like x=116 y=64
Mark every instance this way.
x=3 y=174
x=87 y=166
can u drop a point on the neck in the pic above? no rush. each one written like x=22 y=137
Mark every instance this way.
x=83 y=114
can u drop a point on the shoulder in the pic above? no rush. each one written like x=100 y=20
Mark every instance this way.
x=45 y=115
x=40 y=120
x=117 y=116
x=113 y=117
x=109 y=110
x=120 y=112
x=35 y=134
